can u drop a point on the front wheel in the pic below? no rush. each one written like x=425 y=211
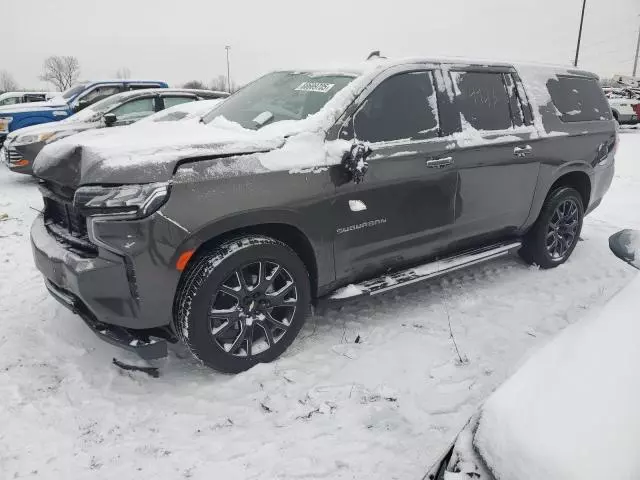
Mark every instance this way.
x=243 y=303
x=555 y=234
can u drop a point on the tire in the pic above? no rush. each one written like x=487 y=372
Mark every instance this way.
x=234 y=294
x=554 y=235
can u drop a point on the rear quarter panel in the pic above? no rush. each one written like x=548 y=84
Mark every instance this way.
x=569 y=147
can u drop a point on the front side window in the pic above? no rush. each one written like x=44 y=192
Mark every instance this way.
x=402 y=107
x=482 y=100
x=134 y=109
x=173 y=101
x=579 y=99
x=280 y=96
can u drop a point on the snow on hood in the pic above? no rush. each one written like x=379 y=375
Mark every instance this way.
x=571 y=412
x=57 y=102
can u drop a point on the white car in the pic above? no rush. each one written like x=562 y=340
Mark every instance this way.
x=13 y=98
x=571 y=412
x=625 y=104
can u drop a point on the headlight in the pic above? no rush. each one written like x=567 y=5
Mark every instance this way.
x=137 y=200
x=28 y=139
x=4 y=124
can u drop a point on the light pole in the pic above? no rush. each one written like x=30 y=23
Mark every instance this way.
x=635 y=59
x=227 y=48
x=584 y=5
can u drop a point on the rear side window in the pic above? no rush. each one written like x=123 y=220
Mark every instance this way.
x=482 y=100
x=402 y=107
x=579 y=99
x=173 y=101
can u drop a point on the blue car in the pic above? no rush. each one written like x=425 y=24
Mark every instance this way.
x=66 y=104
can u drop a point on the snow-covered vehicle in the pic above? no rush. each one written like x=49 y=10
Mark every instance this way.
x=307 y=187
x=186 y=111
x=13 y=98
x=571 y=411
x=76 y=98
x=22 y=146
x=625 y=105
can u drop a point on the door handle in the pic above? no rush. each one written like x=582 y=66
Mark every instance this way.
x=440 y=162
x=522 y=151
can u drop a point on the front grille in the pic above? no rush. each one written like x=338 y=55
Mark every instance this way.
x=69 y=226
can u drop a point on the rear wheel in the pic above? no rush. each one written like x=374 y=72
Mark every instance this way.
x=243 y=303
x=555 y=234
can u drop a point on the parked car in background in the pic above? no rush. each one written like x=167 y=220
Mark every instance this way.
x=625 y=104
x=65 y=104
x=316 y=186
x=186 y=111
x=22 y=147
x=571 y=411
x=13 y=98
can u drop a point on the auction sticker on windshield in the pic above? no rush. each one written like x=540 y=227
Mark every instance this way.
x=315 y=87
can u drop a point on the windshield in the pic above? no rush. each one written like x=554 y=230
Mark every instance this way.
x=73 y=91
x=279 y=96
x=95 y=111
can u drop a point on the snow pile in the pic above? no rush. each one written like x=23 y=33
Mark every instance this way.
x=572 y=411
x=328 y=408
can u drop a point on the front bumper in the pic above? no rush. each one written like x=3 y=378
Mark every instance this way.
x=125 y=292
x=18 y=159
x=146 y=346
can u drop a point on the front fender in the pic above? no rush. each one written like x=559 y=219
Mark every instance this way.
x=274 y=222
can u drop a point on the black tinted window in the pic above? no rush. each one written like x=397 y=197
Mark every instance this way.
x=403 y=106
x=579 y=99
x=482 y=100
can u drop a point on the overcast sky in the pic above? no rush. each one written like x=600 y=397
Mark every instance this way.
x=183 y=40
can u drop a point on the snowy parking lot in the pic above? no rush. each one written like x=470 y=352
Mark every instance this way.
x=375 y=389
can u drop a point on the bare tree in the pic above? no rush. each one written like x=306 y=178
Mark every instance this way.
x=62 y=72
x=195 y=84
x=220 y=83
x=7 y=82
x=123 y=73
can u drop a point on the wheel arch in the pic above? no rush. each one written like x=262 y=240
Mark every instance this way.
x=577 y=179
x=574 y=175
x=279 y=225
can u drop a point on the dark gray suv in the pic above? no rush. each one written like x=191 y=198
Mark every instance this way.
x=306 y=187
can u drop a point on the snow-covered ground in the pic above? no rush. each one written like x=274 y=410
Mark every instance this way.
x=383 y=408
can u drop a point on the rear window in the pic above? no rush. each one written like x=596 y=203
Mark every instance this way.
x=579 y=99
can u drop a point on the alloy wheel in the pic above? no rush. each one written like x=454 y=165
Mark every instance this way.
x=562 y=229
x=253 y=308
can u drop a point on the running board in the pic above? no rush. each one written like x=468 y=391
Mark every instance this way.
x=433 y=269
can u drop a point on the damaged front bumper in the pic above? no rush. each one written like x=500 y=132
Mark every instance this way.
x=124 y=293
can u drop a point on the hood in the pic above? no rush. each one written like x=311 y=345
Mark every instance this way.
x=54 y=103
x=144 y=154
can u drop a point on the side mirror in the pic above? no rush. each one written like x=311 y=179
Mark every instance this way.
x=81 y=105
x=626 y=246
x=355 y=161
x=109 y=119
